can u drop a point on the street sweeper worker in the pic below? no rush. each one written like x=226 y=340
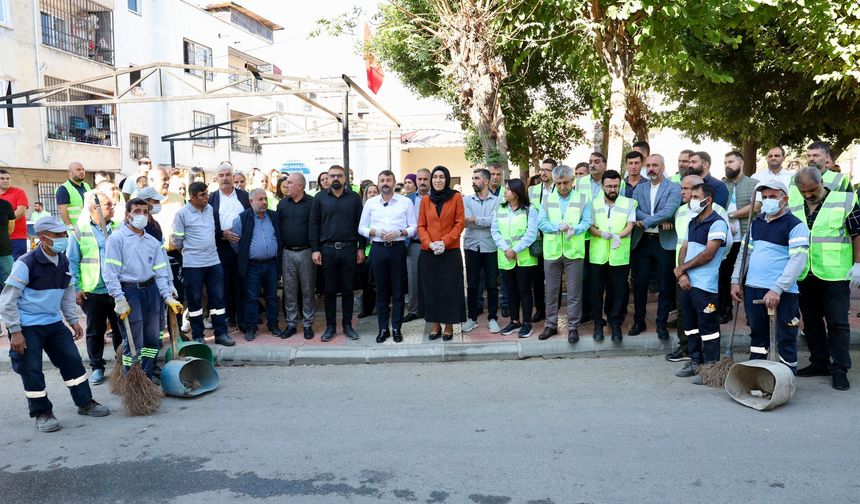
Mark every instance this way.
x=38 y=295
x=777 y=251
x=697 y=273
x=136 y=274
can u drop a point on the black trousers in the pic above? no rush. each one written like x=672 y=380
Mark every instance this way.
x=175 y=259
x=701 y=325
x=649 y=256
x=824 y=306
x=587 y=287
x=389 y=268
x=610 y=281
x=482 y=265
x=725 y=280
x=539 y=289
x=518 y=281
x=99 y=311
x=233 y=286
x=338 y=271
x=367 y=286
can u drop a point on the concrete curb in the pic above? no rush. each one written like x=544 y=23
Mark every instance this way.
x=646 y=344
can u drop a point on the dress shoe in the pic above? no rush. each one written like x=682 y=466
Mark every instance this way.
x=637 y=328
x=397 y=336
x=434 y=336
x=680 y=354
x=597 y=335
x=289 y=331
x=350 y=332
x=447 y=337
x=309 y=332
x=540 y=315
x=662 y=333
x=329 y=333
x=572 y=336
x=276 y=332
x=224 y=339
x=840 y=380
x=547 y=333
x=616 y=334
x=813 y=370
x=250 y=334
x=364 y=314
x=382 y=336
x=409 y=318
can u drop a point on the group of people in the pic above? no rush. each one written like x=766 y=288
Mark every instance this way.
x=791 y=240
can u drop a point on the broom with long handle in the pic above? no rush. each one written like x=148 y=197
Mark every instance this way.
x=714 y=375
x=140 y=396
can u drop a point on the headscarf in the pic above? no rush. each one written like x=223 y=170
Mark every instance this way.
x=440 y=197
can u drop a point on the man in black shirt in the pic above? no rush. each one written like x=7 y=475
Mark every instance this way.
x=294 y=213
x=7 y=224
x=337 y=247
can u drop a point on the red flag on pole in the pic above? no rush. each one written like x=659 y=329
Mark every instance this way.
x=375 y=75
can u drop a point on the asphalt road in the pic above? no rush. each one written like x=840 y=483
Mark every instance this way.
x=619 y=430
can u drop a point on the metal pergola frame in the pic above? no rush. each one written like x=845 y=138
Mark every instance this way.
x=260 y=84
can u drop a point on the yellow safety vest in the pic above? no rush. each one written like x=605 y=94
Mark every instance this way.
x=90 y=260
x=512 y=230
x=601 y=249
x=556 y=244
x=76 y=202
x=830 y=179
x=535 y=193
x=831 y=253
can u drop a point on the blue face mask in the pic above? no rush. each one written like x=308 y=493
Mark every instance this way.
x=59 y=244
x=770 y=206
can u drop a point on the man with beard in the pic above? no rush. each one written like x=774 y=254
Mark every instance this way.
x=387 y=221
x=775 y=158
x=700 y=164
x=337 y=247
x=613 y=218
x=683 y=166
x=480 y=250
x=741 y=191
x=422 y=183
x=818 y=155
x=70 y=195
x=590 y=186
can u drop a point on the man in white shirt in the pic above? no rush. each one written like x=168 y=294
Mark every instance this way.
x=227 y=203
x=387 y=220
x=775 y=170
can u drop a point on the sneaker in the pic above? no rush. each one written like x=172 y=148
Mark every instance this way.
x=840 y=380
x=698 y=380
x=186 y=324
x=469 y=325
x=47 y=422
x=207 y=323
x=98 y=377
x=690 y=369
x=511 y=328
x=679 y=355
x=94 y=409
x=494 y=326
x=525 y=331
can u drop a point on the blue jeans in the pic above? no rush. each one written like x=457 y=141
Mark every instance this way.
x=6 y=263
x=194 y=279
x=145 y=323
x=263 y=275
x=56 y=340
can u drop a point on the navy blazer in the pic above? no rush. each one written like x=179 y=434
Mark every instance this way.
x=215 y=201
x=666 y=204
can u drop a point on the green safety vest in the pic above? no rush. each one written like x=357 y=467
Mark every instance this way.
x=535 y=193
x=601 y=249
x=556 y=244
x=90 y=261
x=676 y=178
x=272 y=201
x=682 y=225
x=76 y=202
x=512 y=231
x=831 y=253
x=831 y=180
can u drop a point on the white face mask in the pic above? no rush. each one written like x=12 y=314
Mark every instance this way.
x=138 y=221
x=696 y=206
x=155 y=209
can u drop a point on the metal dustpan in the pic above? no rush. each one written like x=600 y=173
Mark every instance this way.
x=186 y=376
x=187 y=348
x=762 y=384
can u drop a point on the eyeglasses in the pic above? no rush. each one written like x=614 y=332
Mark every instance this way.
x=145 y=163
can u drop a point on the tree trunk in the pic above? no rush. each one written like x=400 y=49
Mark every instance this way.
x=750 y=152
x=617 y=108
x=637 y=115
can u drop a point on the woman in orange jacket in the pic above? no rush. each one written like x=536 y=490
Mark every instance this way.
x=441 y=219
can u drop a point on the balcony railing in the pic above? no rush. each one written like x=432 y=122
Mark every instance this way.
x=253 y=148
x=81 y=27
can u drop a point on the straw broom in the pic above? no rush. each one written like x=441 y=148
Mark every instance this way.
x=139 y=396
x=714 y=375
x=116 y=380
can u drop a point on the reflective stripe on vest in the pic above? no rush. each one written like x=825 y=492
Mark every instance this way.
x=831 y=253
x=90 y=267
x=76 y=201
x=600 y=250
x=558 y=243
x=512 y=231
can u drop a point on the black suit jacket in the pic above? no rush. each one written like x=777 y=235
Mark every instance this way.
x=215 y=201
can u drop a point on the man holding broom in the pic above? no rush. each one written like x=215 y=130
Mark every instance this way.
x=697 y=274
x=778 y=247
x=38 y=295
x=136 y=275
